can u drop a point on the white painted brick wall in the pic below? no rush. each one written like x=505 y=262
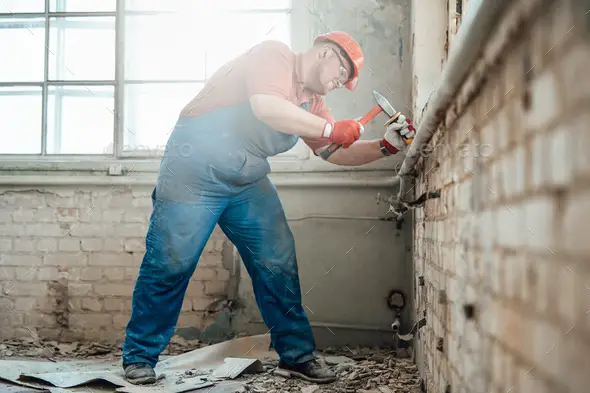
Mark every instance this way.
x=522 y=259
x=55 y=238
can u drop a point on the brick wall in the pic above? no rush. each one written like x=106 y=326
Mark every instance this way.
x=505 y=252
x=70 y=258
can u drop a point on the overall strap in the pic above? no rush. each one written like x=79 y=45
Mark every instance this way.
x=306 y=105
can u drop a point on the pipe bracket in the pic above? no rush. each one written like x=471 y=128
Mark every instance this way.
x=410 y=335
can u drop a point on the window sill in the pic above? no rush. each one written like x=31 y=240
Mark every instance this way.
x=109 y=166
x=83 y=171
x=281 y=180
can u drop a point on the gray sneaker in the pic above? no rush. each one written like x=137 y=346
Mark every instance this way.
x=311 y=371
x=140 y=374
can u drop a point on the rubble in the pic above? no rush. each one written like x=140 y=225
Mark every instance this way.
x=363 y=370
x=31 y=347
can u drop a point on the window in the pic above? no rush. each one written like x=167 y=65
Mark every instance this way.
x=76 y=65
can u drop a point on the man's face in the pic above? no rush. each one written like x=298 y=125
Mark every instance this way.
x=332 y=71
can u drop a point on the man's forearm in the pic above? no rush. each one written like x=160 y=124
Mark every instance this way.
x=359 y=153
x=286 y=117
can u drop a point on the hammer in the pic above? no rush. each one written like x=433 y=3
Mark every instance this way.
x=382 y=106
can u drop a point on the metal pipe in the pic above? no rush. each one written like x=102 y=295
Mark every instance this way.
x=335 y=217
x=329 y=182
x=339 y=326
x=474 y=31
x=150 y=180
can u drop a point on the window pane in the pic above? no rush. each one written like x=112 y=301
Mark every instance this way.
x=82 y=48
x=151 y=111
x=80 y=119
x=197 y=6
x=255 y=4
x=165 y=47
x=82 y=5
x=161 y=5
x=16 y=6
x=20 y=120
x=236 y=33
x=24 y=40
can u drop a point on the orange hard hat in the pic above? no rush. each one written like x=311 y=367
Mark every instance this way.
x=351 y=48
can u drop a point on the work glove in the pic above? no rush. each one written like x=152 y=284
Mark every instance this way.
x=343 y=132
x=396 y=133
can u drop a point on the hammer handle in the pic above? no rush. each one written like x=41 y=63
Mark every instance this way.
x=372 y=113
x=365 y=119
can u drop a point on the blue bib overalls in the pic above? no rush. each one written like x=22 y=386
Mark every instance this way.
x=214 y=171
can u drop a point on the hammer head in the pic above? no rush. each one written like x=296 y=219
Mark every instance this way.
x=384 y=104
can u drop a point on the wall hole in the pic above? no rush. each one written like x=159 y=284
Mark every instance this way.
x=469 y=311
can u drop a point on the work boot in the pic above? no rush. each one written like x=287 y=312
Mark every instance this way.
x=140 y=374
x=310 y=371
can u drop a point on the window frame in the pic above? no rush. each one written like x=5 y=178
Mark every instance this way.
x=299 y=152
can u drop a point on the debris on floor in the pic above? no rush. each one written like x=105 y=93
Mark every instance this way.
x=30 y=347
x=180 y=373
x=362 y=370
x=240 y=365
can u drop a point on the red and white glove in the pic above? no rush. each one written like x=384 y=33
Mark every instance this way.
x=396 y=132
x=343 y=132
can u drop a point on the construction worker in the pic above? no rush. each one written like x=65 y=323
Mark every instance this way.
x=214 y=171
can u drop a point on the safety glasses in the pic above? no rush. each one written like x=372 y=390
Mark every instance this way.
x=343 y=77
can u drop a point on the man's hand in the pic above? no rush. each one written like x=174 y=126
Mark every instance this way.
x=396 y=132
x=343 y=132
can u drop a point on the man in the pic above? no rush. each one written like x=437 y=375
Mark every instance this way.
x=214 y=171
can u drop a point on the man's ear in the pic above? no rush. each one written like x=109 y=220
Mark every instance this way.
x=324 y=52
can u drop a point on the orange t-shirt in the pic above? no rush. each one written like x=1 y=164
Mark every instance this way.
x=268 y=68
